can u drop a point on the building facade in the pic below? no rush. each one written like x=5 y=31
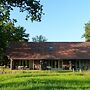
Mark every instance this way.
x=49 y=55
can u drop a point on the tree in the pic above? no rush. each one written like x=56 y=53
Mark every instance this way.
x=39 y=38
x=86 y=35
x=10 y=33
x=32 y=7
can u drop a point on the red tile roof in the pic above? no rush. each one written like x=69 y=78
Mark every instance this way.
x=49 y=50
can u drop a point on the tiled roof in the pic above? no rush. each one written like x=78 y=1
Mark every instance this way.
x=49 y=50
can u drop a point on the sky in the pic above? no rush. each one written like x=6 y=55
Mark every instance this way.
x=64 y=20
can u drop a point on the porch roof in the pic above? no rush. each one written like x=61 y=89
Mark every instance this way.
x=49 y=50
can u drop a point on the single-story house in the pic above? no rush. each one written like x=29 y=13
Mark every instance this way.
x=49 y=55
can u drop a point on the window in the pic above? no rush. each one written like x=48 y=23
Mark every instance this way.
x=50 y=48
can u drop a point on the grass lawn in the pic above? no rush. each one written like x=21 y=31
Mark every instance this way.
x=44 y=80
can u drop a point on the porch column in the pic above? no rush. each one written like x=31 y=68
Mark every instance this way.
x=11 y=64
x=70 y=65
x=79 y=64
x=33 y=64
x=29 y=64
x=62 y=64
x=40 y=64
x=55 y=64
x=58 y=64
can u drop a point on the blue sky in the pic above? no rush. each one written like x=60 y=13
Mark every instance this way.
x=63 y=21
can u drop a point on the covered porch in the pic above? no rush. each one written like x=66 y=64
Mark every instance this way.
x=45 y=64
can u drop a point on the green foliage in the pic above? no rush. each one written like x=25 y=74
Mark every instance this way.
x=32 y=7
x=10 y=33
x=39 y=38
x=87 y=32
x=17 y=34
x=44 y=80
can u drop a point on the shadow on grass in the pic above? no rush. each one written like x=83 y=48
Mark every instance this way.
x=38 y=84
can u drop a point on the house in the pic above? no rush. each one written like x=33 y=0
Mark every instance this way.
x=49 y=55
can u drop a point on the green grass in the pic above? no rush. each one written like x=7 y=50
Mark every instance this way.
x=44 y=80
